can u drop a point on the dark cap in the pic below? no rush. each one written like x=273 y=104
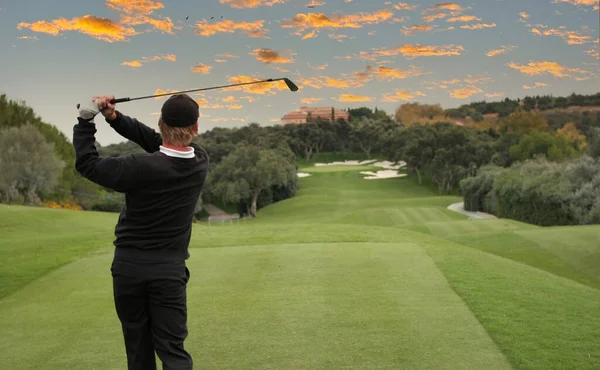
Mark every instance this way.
x=180 y=110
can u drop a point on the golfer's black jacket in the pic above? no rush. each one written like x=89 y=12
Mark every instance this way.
x=161 y=189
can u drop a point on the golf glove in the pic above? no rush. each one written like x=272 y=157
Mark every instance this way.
x=88 y=110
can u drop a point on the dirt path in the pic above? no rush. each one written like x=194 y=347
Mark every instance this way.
x=217 y=214
x=460 y=208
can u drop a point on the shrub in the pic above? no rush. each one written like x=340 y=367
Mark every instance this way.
x=538 y=191
x=477 y=190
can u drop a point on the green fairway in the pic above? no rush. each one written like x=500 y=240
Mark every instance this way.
x=348 y=274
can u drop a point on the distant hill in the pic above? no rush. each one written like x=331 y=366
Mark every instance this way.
x=573 y=102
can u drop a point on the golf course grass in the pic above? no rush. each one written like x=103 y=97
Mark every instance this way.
x=348 y=274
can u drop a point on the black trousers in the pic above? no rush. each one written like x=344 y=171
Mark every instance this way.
x=150 y=300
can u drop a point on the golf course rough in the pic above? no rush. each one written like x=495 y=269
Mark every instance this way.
x=348 y=274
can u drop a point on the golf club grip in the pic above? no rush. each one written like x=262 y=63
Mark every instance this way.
x=119 y=100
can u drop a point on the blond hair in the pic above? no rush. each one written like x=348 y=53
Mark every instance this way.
x=176 y=136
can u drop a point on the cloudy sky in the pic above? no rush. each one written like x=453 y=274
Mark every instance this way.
x=343 y=53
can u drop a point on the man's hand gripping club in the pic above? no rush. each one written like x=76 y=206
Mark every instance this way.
x=99 y=104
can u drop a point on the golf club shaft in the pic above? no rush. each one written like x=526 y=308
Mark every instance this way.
x=120 y=100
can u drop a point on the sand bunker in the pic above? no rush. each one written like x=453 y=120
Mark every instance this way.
x=346 y=163
x=385 y=174
x=390 y=169
x=389 y=165
x=302 y=174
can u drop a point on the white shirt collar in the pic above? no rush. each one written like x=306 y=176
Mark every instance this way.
x=177 y=153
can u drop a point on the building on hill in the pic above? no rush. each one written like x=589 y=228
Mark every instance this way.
x=305 y=114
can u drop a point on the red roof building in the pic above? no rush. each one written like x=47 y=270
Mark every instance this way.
x=305 y=114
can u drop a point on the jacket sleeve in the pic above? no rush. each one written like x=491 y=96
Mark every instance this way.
x=117 y=173
x=134 y=130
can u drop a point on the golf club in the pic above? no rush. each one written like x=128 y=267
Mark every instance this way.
x=292 y=86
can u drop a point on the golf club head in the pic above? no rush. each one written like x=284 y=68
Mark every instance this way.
x=292 y=86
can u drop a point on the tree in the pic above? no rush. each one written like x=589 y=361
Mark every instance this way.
x=555 y=148
x=411 y=113
x=574 y=136
x=419 y=148
x=305 y=138
x=28 y=164
x=249 y=170
x=477 y=117
x=356 y=114
x=367 y=134
x=524 y=122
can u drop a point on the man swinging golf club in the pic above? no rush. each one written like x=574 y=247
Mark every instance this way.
x=162 y=187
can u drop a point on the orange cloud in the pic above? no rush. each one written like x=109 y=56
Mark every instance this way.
x=324 y=81
x=228 y=55
x=465 y=92
x=310 y=100
x=419 y=50
x=160 y=91
x=340 y=37
x=570 y=37
x=319 y=68
x=249 y=98
x=202 y=68
x=259 y=88
x=594 y=51
x=544 y=67
x=440 y=11
x=501 y=50
x=432 y=17
x=244 y=4
x=462 y=88
x=99 y=28
x=416 y=27
x=463 y=18
x=138 y=63
x=251 y=29
x=478 y=26
x=133 y=13
x=386 y=73
x=537 y=84
x=493 y=95
x=221 y=60
x=270 y=56
x=138 y=12
x=353 y=98
x=235 y=106
x=141 y=7
x=443 y=84
x=405 y=6
x=317 y=21
x=523 y=16
x=204 y=103
x=477 y=80
x=315 y=3
x=445 y=6
x=400 y=95
x=133 y=64
x=229 y=99
x=593 y=3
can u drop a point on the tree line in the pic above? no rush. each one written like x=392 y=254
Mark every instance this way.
x=254 y=166
x=507 y=106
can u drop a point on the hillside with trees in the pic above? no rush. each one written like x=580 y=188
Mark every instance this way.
x=254 y=166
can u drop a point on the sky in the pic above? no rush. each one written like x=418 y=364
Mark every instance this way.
x=341 y=53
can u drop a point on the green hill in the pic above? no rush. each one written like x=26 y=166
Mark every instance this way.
x=349 y=273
